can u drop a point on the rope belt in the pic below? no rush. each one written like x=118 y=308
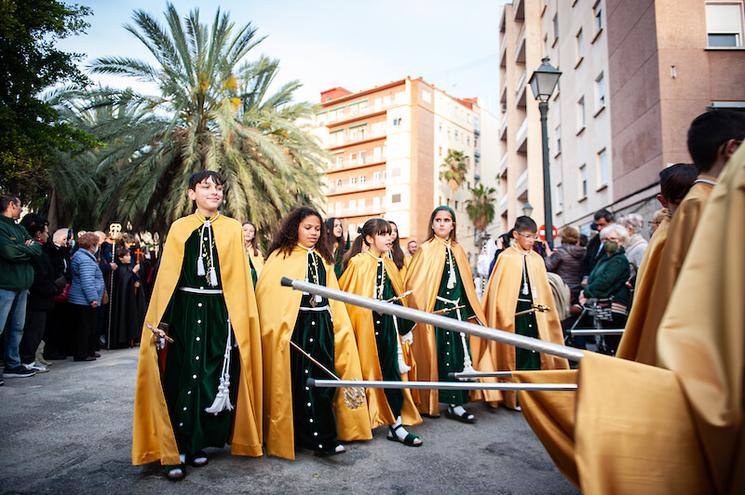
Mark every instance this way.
x=317 y=308
x=194 y=290
x=467 y=364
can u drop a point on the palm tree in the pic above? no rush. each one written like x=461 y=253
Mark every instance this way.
x=215 y=112
x=454 y=169
x=480 y=208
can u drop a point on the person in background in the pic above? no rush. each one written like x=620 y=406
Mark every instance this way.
x=505 y=241
x=637 y=245
x=567 y=260
x=396 y=253
x=411 y=247
x=657 y=218
x=602 y=218
x=16 y=276
x=56 y=333
x=128 y=303
x=45 y=287
x=255 y=258
x=85 y=295
x=335 y=241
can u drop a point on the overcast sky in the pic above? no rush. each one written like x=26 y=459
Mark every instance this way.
x=326 y=43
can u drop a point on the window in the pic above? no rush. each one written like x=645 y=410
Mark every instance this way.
x=396 y=198
x=555 y=22
x=353 y=180
x=400 y=97
x=439 y=151
x=387 y=100
x=582 y=182
x=339 y=160
x=361 y=204
x=363 y=157
x=397 y=121
x=376 y=203
x=353 y=109
x=378 y=103
x=376 y=178
x=579 y=39
x=559 y=197
x=338 y=183
x=456 y=204
x=396 y=172
x=599 y=92
x=377 y=153
x=353 y=158
x=724 y=24
x=597 y=13
x=603 y=168
x=352 y=204
x=557 y=133
x=581 y=115
x=545 y=45
x=377 y=128
x=363 y=180
x=363 y=107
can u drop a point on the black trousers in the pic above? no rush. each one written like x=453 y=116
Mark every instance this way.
x=84 y=325
x=33 y=333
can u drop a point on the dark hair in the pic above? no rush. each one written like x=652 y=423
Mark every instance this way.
x=525 y=223
x=255 y=240
x=446 y=208
x=676 y=180
x=372 y=227
x=332 y=241
x=506 y=239
x=285 y=238
x=396 y=252
x=203 y=175
x=121 y=252
x=603 y=213
x=583 y=240
x=6 y=199
x=709 y=131
x=33 y=223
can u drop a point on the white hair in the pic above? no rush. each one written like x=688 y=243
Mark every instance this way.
x=633 y=221
x=60 y=237
x=620 y=230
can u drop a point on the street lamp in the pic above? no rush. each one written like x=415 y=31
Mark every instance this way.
x=527 y=209
x=543 y=81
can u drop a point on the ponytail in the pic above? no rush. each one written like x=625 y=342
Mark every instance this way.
x=373 y=227
x=353 y=251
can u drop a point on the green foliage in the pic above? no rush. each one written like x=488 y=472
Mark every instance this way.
x=480 y=208
x=214 y=111
x=31 y=133
x=454 y=169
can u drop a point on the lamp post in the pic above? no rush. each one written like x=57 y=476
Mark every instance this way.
x=527 y=209
x=542 y=82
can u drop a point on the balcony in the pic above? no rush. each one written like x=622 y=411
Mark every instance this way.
x=521 y=137
x=502 y=204
x=521 y=186
x=334 y=190
x=519 y=7
x=503 y=56
x=520 y=51
x=502 y=167
x=503 y=128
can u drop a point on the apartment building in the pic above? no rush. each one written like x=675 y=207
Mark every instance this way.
x=387 y=144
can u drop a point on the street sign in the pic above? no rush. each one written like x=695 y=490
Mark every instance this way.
x=542 y=232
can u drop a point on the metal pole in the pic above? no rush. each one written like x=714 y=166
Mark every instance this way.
x=465 y=375
x=599 y=331
x=552 y=387
x=438 y=321
x=547 y=206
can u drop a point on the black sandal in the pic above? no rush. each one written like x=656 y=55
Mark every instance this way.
x=466 y=417
x=336 y=450
x=175 y=472
x=198 y=459
x=409 y=440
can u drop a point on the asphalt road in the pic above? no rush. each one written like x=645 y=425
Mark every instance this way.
x=69 y=431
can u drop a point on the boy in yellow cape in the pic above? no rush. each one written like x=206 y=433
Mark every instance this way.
x=209 y=393
x=440 y=278
x=296 y=414
x=379 y=337
x=518 y=299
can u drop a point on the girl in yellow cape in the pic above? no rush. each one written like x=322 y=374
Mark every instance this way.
x=396 y=254
x=518 y=299
x=440 y=277
x=373 y=274
x=255 y=258
x=208 y=393
x=297 y=415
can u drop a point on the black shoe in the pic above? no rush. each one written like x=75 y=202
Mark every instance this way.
x=95 y=355
x=198 y=459
x=466 y=417
x=18 y=372
x=175 y=473
x=55 y=356
x=87 y=358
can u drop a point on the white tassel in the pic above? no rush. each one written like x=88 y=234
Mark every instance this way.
x=451 y=275
x=222 y=399
x=200 y=266
x=213 y=277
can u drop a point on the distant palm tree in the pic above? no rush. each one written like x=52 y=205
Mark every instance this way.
x=480 y=208
x=454 y=169
x=214 y=111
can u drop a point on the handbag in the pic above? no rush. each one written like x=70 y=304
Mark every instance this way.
x=62 y=296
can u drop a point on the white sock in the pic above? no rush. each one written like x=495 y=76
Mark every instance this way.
x=458 y=410
x=400 y=432
x=183 y=458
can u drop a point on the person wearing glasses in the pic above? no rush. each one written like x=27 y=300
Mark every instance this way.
x=518 y=299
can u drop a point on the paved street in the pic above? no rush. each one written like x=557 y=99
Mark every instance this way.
x=68 y=431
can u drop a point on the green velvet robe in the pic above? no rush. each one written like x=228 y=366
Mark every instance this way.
x=526 y=325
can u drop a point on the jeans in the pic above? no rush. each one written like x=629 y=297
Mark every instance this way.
x=12 y=317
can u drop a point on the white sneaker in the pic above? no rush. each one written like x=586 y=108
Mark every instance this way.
x=38 y=367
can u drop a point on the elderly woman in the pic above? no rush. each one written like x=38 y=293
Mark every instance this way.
x=636 y=245
x=608 y=279
x=85 y=296
x=566 y=260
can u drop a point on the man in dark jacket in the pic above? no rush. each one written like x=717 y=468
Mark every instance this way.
x=16 y=276
x=602 y=218
x=47 y=284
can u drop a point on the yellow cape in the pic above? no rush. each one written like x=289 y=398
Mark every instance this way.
x=153 y=437
x=423 y=277
x=257 y=260
x=640 y=333
x=359 y=278
x=679 y=428
x=278 y=310
x=500 y=301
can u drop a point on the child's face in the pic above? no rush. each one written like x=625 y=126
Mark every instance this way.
x=525 y=239
x=207 y=195
x=442 y=224
x=126 y=259
x=380 y=242
x=309 y=231
x=249 y=232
